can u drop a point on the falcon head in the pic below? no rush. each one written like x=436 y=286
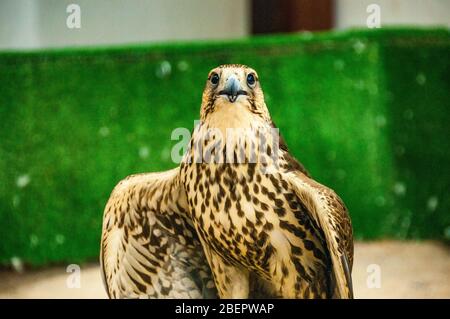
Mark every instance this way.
x=233 y=87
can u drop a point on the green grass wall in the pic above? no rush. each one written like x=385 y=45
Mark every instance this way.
x=367 y=112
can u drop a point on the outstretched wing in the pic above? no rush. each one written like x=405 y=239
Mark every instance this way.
x=149 y=247
x=330 y=214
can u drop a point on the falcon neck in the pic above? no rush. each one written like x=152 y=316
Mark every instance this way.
x=257 y=143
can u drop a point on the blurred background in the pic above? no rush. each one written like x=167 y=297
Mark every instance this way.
x=359 y=89
x=41 y=23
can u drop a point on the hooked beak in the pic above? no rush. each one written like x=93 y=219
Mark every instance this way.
x=232 y=89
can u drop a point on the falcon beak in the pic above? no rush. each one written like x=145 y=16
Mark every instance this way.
x=232 y=89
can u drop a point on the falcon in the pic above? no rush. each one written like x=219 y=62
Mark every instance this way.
x=239 y=218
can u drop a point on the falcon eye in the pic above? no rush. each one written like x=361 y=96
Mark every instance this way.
x=251 y=80
x=214 y=79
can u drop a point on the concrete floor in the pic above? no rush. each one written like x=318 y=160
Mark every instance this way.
x=405 y=269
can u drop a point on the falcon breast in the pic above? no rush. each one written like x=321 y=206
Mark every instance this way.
x=239 y=218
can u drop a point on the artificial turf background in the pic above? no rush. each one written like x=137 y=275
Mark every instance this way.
x=367 y=112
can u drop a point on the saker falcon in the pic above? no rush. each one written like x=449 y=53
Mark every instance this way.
x=239 y=218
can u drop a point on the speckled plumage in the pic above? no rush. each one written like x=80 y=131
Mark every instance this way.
x=149 y=247
x=248 y=228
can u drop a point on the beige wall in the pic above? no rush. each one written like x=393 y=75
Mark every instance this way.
x=42 y=23
x=351 y=13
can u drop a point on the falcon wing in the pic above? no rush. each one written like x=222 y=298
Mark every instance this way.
x=330 y=214
x=149 y=247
